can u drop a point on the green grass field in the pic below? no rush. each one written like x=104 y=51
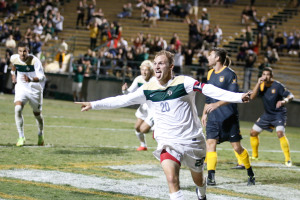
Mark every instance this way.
x=91 y=155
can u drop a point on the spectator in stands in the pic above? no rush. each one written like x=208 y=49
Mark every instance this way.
x=154 y=15
x=262 y=66
x=63 y=46
x=188 y=57
x=90 y=11
x=279 y=43
x=98 y=16
x=48 y=32
x=249 y=35
x=219 y=34
x=178 y=62
x=247 y=15
x=28 y=35
x=17 y=33
x=270 y=34
x=162 y=43
x=60 y=58
x=290 y=42
x=164 y=9
x=184 y=9
x=209 y=40
x=36 y=46
x=79 y=70
x=35 y=17
x=38 y=28
x=249 y=63
x=10 y=44
x=127 y=11
x=93 y=27
x=204 y=20
x=58 y=21
x=194 y=36
x=272 y=55
x=13 y=7
x=261 y=26
x=194 y=10
x=242 y=51
x=80 y=14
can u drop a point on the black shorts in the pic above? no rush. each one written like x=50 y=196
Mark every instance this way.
x=227 y=130
x=269 y=122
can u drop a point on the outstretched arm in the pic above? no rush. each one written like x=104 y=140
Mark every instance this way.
x=120 y=101
x=224 y=95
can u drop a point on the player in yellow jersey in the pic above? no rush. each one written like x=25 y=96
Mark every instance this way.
x=28 y=75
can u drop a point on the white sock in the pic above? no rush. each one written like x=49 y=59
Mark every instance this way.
x=202 y=190
x=176 y=195
x=40 y=123
x=141 y=138
x=19 y=120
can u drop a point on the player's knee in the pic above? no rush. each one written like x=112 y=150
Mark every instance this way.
x=280 y=134
x=172 y=180
x=253 y=133
x=37 y=113
x=18 y=109
x=137 y=128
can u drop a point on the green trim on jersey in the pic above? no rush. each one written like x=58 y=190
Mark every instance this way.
x=140 y=84
x=172 y=92
x=24 y=68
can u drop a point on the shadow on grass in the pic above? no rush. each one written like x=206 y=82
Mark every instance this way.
x=115 y=151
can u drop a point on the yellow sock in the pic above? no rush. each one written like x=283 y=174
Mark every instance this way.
x=238 y=158
x=211 y=160
x=254 y=141
x=284 y=143
x=244 y=157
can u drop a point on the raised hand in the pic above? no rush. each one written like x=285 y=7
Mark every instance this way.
x=85 y=106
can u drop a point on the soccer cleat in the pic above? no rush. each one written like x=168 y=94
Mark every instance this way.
x=211 y=181
x=21 y=142
x=41 y=140
x=142 y=148
x=253 y=158
x=199 y=198
x=238 y=167
x=288 y=163
x=251 y=180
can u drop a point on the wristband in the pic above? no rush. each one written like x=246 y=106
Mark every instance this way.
x=13 y=72
x=286 y=100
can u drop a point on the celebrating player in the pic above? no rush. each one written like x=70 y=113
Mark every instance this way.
x=221 y=118
x=178 y=130
x=28 y=88
x=144 y=120
x=274 y=96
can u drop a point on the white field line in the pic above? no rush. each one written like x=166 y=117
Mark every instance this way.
x=155 y=187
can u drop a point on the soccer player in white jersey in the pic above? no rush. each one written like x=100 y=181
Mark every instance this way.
x=28 y=79
x=178 y=130
x=144 y=120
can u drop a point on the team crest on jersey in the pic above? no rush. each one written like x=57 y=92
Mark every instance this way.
x=27 y=69
x=234 y=81
x=221 y=79
x=273 y=91
x=169 y=92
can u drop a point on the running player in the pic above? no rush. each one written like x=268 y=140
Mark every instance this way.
x=221 y=118
x=274 y=96
x=29 y=77
x=144 y=120
x=178 y=130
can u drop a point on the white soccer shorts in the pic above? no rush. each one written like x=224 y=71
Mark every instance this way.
x=34 y=97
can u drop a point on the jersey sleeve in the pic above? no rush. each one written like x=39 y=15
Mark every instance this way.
x=39 y=70
x=284 y=92
x=120 y=101
x=232 y=85
x=134 y=86
x=220 y=94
